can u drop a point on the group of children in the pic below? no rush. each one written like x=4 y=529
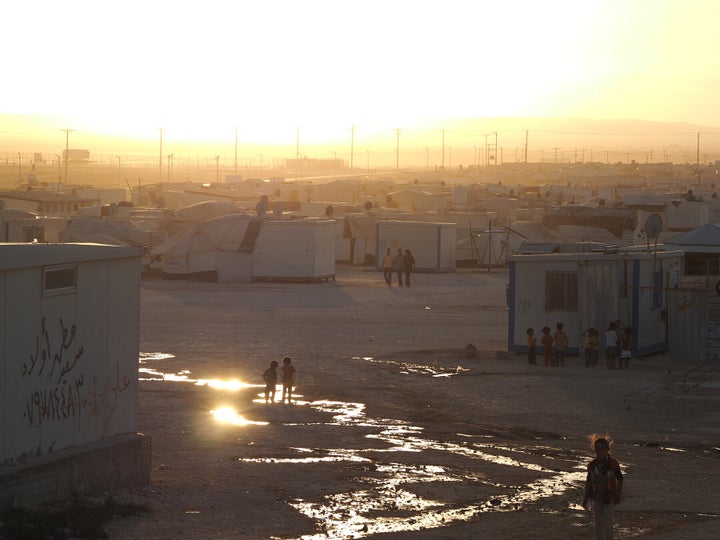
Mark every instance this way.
x=553 y=345
x=618 y=346
x=270 y=377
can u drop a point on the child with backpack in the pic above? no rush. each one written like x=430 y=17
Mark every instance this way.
x=603 y=486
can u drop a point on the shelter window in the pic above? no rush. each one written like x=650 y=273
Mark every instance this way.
x=561 y=291
x=59 y=279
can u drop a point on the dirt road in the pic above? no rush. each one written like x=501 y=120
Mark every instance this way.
x=394 y=432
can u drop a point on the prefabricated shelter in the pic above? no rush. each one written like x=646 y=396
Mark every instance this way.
x=295 y=250
x=432 y=244
x=69 y=348
x=26 y=226
x=701 y=247
x=412 y=200
x=49 y=203
x=584 y=290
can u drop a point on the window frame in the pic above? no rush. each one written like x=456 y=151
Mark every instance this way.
x=562 y=290
x=63 y=285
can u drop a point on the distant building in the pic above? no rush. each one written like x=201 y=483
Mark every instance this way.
x=47 y=203
x=76 y=154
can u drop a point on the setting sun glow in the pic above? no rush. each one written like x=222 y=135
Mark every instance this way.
x=267 y=68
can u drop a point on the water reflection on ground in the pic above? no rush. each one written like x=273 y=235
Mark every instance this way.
x=408 y=367
x=388 y=486
x=148 y=373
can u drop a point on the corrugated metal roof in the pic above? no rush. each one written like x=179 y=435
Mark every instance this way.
x=41 y=196
x=705 y=236
x=536 y=249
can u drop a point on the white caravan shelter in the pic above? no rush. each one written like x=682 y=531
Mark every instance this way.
x=295 y=250
x=69 y=348
x=432 y=244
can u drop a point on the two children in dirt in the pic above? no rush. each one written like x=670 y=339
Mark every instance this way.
x=270 y=377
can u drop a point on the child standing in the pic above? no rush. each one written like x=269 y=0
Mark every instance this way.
x=547 y=343
x=532 y=340
x=611 y=342
x=270 y=378
x=561 y=342
x=590 y=347
x=603 y=486
x=288 y=379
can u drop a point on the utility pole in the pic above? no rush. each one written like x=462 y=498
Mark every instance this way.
x=487 y=160
x=67 y=148
x=161 y=130
x=397 y=148
x=698 y=157
x=496 y=149
x=443 y=149
x=297 y=153
x=217 y=169
x=352 y=145
x=526 y=144
x=170 y=159
x=235 y=169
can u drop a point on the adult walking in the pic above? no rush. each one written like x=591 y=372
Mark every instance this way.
x=399 y=266
x=388 y=267
x=409 y=263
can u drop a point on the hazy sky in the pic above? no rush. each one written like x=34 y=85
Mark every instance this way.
x=269 y=66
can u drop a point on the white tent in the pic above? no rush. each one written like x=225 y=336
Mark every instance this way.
x=116 y=232
x=240 y=248
x=493 y=246
x=211 y=250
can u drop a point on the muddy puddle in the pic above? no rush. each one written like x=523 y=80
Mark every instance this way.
x=414 y=368
x=390 y=497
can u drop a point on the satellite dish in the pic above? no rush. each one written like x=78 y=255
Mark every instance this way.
x=653 y=225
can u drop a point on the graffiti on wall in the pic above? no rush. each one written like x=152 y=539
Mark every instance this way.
x=65 y=390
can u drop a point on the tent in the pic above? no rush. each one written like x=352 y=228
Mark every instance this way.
x=240 y=248
x=119 y=232
x=210 y=250
x=492 y=247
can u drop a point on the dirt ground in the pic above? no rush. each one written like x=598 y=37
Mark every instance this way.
x=394 y=433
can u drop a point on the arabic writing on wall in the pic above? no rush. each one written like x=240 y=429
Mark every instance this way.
x=65 y=391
